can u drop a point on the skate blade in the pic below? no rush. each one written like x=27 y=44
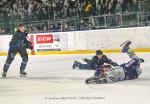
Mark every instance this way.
x=124 y=43
x=23 y=75
x=4 y=77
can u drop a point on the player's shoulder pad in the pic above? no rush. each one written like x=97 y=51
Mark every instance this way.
x=26 y=33
x=16 y=32
x=104 y=56
x=94 y=57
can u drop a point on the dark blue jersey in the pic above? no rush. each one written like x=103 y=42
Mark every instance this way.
x=18 y=39
x=131 y=69
x=99 y=62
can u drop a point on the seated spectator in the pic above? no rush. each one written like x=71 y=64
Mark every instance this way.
x=71 y=10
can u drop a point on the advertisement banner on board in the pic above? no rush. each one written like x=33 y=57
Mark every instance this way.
x=45 y=42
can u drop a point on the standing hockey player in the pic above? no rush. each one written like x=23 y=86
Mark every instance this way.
x=97 y=62
x=126 y=71
x=18 y=44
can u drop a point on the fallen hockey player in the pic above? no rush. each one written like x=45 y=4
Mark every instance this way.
x=126 y=71
x=97 y=61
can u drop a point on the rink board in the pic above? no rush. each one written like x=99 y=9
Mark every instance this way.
x=84 y=42
x=78 y=52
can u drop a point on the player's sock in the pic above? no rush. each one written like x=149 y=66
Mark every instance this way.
x=6 y=67
x=23 y=65
x=131 y=54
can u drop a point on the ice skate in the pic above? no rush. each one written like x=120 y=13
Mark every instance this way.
x=92 y=79
x=125 y=46
x=76 y=64
x=23 y=73
x=4 y=75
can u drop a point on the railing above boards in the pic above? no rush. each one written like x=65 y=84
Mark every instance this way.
x=80 y=24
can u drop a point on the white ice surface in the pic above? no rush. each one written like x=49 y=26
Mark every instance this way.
x=52 y=77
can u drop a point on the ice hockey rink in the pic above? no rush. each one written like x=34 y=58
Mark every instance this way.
x=51 y=80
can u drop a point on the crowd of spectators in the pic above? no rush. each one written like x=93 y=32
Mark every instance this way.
x=37 y=10
x=53 y=9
